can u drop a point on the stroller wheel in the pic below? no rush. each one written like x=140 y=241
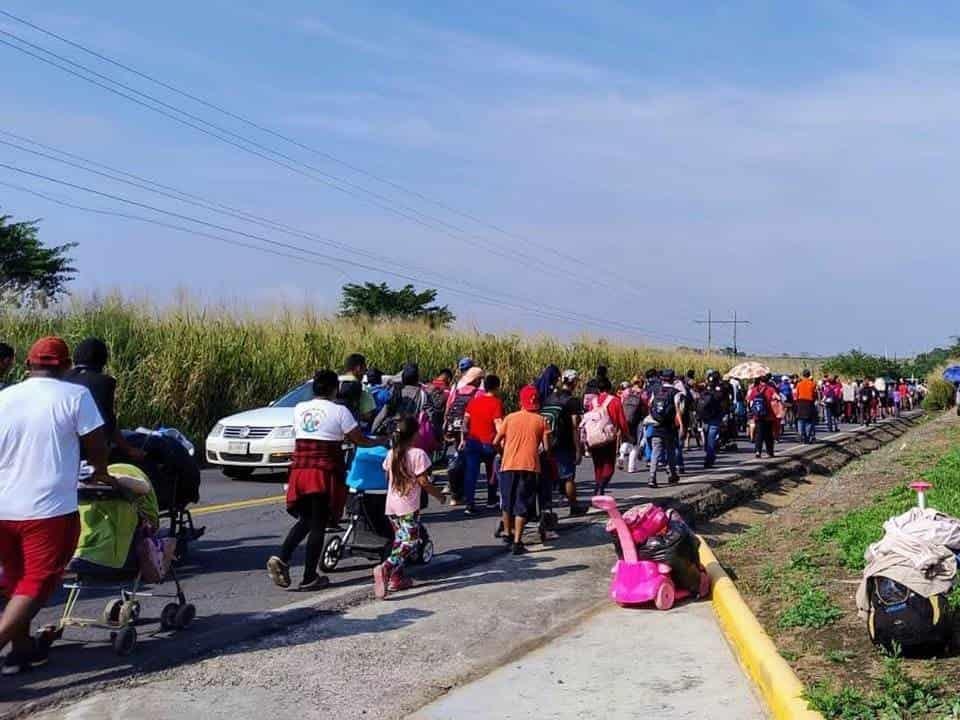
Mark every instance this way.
x=331 y=554
x=111 y=611
x=129 y=613
x=426 y=552
x=124 y=640
x=168 y=616
x=185 y=615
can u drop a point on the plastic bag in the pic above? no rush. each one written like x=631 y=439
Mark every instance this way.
x=677 y=547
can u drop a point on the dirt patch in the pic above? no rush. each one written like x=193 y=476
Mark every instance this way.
x=796 y=582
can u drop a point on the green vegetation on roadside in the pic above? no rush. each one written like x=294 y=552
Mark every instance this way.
x=897 y=697
x=799 y=574
x=187 y=367
x=856 y=530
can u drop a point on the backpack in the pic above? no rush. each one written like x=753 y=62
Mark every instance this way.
x=709 y=407
x=381 y=396
x=663 y=408
x=552 y=415
x=632 y=408
x=458 y=408
x=598 y=427
x=758 y=406
x=349 y=393
x=830 y=393
x=899 y=616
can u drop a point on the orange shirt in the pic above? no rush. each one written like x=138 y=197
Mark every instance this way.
x=523 y=433
x=806 y=390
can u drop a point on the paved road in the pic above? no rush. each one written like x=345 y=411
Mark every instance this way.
x=226 y=580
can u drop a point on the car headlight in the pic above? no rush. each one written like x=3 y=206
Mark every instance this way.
x=283 y=433
x=217 y=430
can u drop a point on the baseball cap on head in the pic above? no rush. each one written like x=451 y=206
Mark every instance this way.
x=49 y=352
x=529 y=399
x=570 y=375
x=465 y=364
x=667 y=374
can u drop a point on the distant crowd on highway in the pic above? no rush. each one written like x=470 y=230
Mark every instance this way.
x=457 y=420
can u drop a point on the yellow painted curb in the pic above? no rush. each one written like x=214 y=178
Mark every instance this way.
x=780 y=687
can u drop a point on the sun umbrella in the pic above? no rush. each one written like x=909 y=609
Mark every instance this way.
x=952 y=374
x=748 y=371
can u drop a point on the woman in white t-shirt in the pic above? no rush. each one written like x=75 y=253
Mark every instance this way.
x=316 y=487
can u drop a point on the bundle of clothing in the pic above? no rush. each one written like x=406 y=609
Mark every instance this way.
x=908 y=575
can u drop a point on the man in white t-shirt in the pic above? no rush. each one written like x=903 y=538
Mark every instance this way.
x=45 y=421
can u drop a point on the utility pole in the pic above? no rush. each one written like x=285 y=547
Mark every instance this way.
x=710 y=322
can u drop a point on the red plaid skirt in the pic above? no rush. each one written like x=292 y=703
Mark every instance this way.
x=318 y=467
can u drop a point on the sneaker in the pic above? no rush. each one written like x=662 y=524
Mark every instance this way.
x=652 y=484
x=398 y=582
x=674 y=479
x=469 y=510
x=41 y=652
x=493 y=502
x=279 y=572
x=507 y=539
x=381 y=578
x=317 y=583
x=519 y=548
x=758 y=455
x=14 y=664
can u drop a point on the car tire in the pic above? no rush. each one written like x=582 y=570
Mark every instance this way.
x=235 y=472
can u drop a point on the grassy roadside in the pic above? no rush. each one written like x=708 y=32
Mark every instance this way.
x=798 y=567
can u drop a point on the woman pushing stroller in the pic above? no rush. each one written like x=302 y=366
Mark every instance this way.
x=316 y=489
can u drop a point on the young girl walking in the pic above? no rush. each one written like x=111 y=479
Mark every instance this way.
x=408 y=475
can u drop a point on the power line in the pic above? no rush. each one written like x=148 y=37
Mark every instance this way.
x=549 y=313
x=710 y=322
x=293 y=141
x=287 y=161
x=199 y=201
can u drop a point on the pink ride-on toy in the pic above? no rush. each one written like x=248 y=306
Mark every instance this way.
x=636 y=581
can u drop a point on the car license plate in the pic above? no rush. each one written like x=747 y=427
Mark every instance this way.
x=238 y=448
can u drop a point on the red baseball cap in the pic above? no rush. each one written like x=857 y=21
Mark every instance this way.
x=529 y=398
x=49 y=352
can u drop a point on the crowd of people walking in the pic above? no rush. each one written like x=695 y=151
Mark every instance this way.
x=523 y=464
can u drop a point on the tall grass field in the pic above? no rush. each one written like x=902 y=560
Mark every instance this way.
x=187 y=367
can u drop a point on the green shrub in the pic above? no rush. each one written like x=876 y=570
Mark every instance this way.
x=940 y=395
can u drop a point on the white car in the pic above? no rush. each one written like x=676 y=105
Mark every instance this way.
x=261 y=438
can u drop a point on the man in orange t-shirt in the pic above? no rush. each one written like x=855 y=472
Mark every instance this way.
x=806 y=400
x=521 y=434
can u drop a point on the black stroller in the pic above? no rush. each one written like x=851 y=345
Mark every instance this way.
x=172 y=468
x=368 y=533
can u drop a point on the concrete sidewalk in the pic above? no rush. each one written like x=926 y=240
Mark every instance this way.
x=617 y=664
x=385 y=660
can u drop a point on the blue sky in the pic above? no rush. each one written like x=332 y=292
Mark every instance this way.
x=795 y=164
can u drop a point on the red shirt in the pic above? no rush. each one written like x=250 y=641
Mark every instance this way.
x=483 y=411
x=769 y=393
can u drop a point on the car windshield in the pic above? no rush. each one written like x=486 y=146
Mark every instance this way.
x=299 y=394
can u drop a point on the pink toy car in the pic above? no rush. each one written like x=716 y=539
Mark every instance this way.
x=635 y=581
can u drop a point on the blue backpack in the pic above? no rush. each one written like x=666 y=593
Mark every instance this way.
x=758 y=406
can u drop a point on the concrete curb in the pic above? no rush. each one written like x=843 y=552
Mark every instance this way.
x=779 y=686
x=729 y=489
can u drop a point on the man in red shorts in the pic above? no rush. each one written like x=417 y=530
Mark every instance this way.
x=45 y=421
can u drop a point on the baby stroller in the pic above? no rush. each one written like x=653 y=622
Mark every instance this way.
x=173 y=470
x=369 y=533
x=657 y=556
x=119 y=550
